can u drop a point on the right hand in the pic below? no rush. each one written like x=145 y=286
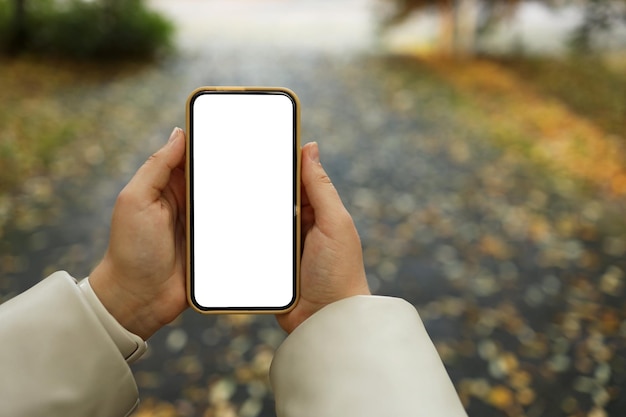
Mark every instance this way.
x=332 y=260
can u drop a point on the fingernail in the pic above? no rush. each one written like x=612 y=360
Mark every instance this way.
x=314 y=153
x=173 y=135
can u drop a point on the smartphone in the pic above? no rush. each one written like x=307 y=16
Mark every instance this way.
x=243 y=199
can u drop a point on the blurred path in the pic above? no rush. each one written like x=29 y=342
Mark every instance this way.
x=517 y=269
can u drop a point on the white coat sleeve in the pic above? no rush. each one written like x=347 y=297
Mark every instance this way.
x=365 y=356
x=57 y=359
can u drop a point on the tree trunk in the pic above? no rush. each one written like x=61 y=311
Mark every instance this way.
x=466 y=28
x=448 y=24
x=18 y=32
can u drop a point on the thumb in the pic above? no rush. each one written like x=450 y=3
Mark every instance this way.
x=154 y=175
x=321 y=193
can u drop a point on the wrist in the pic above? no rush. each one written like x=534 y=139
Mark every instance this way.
x=128 y=309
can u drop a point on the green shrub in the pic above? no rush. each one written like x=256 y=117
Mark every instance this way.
x=100 y=29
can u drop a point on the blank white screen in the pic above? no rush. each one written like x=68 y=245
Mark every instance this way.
x=243 y=200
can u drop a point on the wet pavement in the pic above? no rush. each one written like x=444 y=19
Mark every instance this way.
x=517 y=270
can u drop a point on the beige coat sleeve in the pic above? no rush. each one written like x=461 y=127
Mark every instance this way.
x=364 y=356
x=57 y=359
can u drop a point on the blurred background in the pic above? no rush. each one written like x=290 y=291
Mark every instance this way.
x=479 y=144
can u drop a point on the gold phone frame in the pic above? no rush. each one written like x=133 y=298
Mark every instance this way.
x=188 y=174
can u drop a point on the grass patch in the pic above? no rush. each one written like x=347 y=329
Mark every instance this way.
x=586 y=85
x=516 y=112
x=64 y=119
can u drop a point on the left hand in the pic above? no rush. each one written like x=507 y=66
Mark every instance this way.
x=141 y=279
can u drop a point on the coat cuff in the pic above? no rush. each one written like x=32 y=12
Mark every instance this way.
x=362 y=356
x=131 y=346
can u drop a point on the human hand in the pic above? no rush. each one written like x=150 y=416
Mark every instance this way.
x=332 y=260
x=141 y=279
